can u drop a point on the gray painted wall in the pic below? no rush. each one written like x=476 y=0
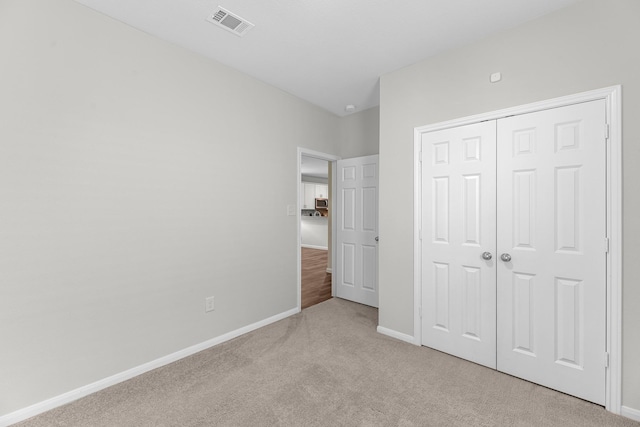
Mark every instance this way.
x=125 y=198
x=591 y=45
x=360 y=134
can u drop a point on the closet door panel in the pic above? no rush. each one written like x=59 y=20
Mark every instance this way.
x=551 y=223
x=458 y=223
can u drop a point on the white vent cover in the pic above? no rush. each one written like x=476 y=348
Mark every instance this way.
x=230 y=22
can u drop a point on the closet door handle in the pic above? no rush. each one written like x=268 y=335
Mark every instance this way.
x=505 y=257
x=486 y=256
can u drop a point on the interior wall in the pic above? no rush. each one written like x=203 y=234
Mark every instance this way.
x=131 y=172
x=590 y=45
x=360 y=134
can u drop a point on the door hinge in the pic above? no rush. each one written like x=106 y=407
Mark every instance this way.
x=606 y=245
x=606 y=360
x=606 y=131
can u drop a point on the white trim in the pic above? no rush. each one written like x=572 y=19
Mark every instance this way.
x=324 y=248
x=612 y=97
x=334 y=230
x=63 y=399
x=631 y=413
x=613 y=394
x=330 y=158
x=329 y=270
x=397 y=335
x=604 y=93
x=417 y=242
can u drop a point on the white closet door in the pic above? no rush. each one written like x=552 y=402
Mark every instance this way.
x=551 y=222
x=357 y=230
x=458 y=226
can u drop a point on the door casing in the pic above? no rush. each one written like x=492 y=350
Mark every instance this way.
x=613 y=100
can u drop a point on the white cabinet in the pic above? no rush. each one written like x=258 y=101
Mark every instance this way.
x=308 y=196
x=321 y=191
x=310 y=191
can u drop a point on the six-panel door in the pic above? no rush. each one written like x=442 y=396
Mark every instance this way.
x=551 y=221
x=458 y=227
x=356 y=272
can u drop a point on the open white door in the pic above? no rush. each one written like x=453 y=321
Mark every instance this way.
x=459 y=241
x=356 y=269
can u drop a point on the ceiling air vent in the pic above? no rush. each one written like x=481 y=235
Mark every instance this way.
x=230 y=22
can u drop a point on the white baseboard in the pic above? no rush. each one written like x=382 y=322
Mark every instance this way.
x=397 y=335
x=63 y=399
x=634 y=414
x=329 y=270
x=324 y=248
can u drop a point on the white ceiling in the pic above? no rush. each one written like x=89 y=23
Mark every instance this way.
x=328 y=52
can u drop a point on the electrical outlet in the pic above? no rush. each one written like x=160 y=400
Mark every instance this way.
x=209 y=304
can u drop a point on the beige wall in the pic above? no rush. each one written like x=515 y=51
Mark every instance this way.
x=132 y=173
x=591 y=45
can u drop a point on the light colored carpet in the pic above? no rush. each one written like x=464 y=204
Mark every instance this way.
x=326 y=366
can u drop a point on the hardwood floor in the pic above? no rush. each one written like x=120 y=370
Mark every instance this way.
x=316 y=282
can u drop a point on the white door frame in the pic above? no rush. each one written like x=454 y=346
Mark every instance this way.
x=330 y=158
x=613 y=98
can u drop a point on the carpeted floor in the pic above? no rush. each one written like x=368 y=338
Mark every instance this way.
x=326 y=366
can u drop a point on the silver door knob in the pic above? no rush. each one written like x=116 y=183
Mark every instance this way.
x=486 y=256
x=505 y=257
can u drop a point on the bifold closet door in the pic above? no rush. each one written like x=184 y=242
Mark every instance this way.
x=551 y=248
x=459 y=241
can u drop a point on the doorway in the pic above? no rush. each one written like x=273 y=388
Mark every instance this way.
x=315 y=227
